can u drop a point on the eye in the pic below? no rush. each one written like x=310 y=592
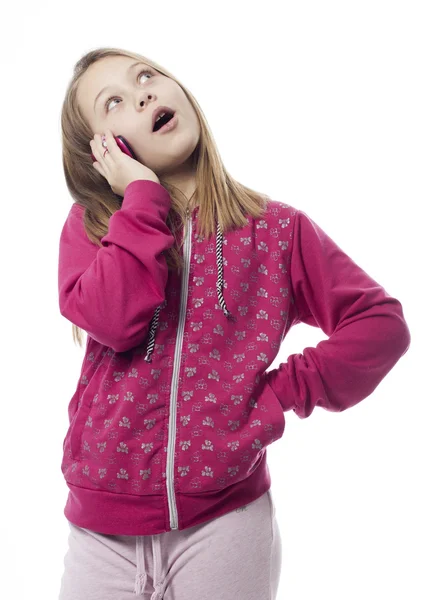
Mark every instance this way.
x=145 y=71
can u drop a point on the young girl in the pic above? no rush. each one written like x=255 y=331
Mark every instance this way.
x=186 y=282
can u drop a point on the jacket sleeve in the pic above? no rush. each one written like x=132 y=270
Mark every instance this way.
x=112 y=292
x=366 y=327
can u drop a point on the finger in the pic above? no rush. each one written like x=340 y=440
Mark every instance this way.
x=98 y=168
x=110 y=140
x=95 y=146
x=99 y=149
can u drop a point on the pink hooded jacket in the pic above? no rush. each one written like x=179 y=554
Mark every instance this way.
x=174 y=409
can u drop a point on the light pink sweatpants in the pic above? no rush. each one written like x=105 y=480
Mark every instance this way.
x=233 y=557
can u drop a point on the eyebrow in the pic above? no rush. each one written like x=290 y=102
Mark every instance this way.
x=108 y=86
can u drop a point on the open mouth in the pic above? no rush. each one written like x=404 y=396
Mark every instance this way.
x=163 y=119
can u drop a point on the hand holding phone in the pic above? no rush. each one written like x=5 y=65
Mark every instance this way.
x=120 y=166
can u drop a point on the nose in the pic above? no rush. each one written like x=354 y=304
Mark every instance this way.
x=144 y=99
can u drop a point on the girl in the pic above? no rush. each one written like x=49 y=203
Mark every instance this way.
x=186 y=282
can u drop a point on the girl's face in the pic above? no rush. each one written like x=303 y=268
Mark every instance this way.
x=133 y=91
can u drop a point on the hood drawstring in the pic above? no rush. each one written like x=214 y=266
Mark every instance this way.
x=141 y=572
x=152 y=334
x=220 y=276
x=219 y=290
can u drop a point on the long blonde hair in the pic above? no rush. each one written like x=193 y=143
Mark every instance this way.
x=217 y=193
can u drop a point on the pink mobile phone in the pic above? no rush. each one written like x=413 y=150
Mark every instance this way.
x=123 y=145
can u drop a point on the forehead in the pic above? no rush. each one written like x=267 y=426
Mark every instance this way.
x=104 y=72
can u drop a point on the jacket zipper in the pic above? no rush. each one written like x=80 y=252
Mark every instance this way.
x=176 y=368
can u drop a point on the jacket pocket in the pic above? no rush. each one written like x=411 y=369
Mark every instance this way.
x=86 y=396
x=72 y=410
x=78 y=425
x=277 y=416
x=236 y=446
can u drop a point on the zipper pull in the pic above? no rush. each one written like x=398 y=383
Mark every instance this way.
x=186 y=224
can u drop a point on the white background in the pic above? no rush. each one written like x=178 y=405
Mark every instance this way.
x=333 y=107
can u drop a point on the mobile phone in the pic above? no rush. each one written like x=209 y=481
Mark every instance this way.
x=123 y=145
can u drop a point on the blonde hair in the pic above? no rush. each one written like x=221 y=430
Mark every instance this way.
x=217 y=193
